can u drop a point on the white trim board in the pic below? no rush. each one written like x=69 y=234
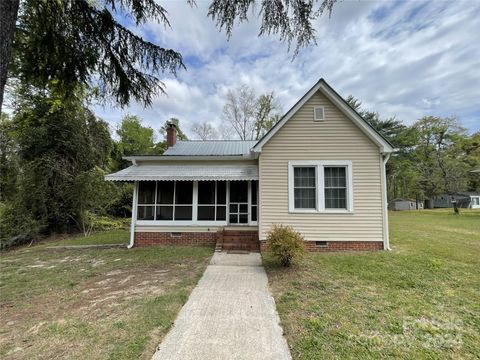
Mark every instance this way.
x=327 y=90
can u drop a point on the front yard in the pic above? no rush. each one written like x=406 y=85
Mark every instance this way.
x=419 y=301
x=93 y=303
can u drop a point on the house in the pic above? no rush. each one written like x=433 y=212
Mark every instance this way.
x=404 y=204
x=466 y=200
x=320 y=169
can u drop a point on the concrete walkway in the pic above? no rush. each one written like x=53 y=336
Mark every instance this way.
x=229 y=315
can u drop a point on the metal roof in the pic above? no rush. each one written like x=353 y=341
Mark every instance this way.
x=185 y=172
x=211 y=148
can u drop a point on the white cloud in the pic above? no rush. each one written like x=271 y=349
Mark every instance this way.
x=404 y=59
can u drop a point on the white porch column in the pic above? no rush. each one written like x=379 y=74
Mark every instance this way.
x=134 y=215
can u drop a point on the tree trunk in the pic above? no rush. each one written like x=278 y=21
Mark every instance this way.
x=8 y=18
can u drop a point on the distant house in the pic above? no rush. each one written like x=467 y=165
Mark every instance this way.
x=404 y=204
x=320 y=170
x=466 y=200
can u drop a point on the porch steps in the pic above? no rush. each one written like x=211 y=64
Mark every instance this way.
x=238 y=241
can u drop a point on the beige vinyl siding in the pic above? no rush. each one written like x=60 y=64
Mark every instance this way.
x=335 y=138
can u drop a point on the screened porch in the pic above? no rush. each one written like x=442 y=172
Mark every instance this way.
x=201 y=203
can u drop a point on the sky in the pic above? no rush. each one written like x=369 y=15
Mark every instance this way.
x=406 y=59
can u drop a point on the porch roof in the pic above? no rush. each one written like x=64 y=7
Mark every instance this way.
x=185 y=172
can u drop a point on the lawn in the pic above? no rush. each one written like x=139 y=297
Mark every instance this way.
x=419 y=301
x=93 y=303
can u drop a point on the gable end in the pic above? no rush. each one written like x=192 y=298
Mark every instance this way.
x=341 y=104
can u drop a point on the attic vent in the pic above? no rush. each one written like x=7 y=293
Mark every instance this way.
x=318 y=113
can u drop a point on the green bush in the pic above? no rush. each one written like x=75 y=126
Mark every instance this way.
x=17 y=227
x=285 y=244
x=105 y=223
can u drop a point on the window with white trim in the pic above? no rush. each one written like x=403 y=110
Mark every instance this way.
x=320 y=186
x=319 y=113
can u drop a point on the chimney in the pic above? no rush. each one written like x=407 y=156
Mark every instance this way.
x=172 y=132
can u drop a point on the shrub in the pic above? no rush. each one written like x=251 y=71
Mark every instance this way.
x=285 y=244
x=17 y=227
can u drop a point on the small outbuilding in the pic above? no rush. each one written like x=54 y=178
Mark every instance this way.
x=399 y=204
x=466 y=200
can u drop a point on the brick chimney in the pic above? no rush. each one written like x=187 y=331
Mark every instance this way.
x=172 y=132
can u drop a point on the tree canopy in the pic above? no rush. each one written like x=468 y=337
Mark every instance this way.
x=84 y=42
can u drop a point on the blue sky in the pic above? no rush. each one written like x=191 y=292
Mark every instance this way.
x=400 y=58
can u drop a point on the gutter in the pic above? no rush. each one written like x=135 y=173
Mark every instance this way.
x=386 y=237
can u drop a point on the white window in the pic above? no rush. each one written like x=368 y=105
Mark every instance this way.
x=318 y=113
x=320 y=186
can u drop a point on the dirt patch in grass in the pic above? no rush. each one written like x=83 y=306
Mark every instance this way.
x=93 y=304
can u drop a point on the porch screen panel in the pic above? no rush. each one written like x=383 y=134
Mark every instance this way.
x=165 y=192
x=254 y=188
x=146 y=200
x=165 y=200
x=212 y=200
x=183 y=200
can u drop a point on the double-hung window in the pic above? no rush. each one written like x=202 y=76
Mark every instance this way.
x=320 y=186
x=304 y=187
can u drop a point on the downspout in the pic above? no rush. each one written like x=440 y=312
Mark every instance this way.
x=134 y=215
x=386 y=238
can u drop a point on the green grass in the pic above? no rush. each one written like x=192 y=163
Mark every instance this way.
x=93 y=303
x=419 y=301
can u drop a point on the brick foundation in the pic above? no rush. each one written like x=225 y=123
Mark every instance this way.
x=168 y=238
x=337 y=246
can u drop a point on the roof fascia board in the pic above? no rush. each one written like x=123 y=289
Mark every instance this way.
x=134 y=159
x=321 y=85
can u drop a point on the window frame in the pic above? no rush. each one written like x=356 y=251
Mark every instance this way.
x=320 y=185
x=315 y=113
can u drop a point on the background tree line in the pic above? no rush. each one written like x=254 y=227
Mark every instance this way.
x=433 y=156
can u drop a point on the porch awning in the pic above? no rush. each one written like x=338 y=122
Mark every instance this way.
x=185 y=172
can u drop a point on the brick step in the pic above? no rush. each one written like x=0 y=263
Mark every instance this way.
x=248 y=247
x=235 y=240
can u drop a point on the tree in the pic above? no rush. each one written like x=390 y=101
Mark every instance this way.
x=402 y=178
x=250 y=116
x=291 y=20
x=8 y=159
x=82 y=41
x=239 y=111
x=59 y=141
x=8 y=16
x=436 y=157
x=135 y=139
x=205 y=131
x=267 y=104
